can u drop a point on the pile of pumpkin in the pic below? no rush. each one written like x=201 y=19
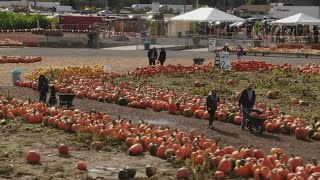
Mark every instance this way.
x=165 y=143
x=19 y=59
x=261 y=66
x=282 y=50
x=10 y=43
x=171 y=69
x=70 y=71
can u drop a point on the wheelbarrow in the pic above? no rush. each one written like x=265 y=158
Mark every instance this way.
x=66 y=100
x=256 y=123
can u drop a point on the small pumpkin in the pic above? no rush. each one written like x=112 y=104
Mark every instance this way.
x=123 y=174
x=131 y=171
x=33 y=157
x=63 y=149
x=82 y=166
x=123 y=101
x=153 y=149
x=151 y=170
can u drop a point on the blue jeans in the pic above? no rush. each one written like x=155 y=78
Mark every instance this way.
x=244 y=119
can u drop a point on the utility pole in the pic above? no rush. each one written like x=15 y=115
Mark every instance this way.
x=28 y=10
x=107 y=5
x=197 y=5
x=225 y=9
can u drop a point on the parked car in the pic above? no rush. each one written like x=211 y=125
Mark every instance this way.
x=87 y=11
x=103 y=13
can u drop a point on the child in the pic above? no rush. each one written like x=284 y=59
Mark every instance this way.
x=53 y=98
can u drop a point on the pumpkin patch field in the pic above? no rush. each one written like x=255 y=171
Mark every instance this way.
x=152 y=123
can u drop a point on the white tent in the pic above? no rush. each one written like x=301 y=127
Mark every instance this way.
x=298 y=19
x=207 y=15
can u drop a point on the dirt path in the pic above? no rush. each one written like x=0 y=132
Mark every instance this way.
x=230 y=134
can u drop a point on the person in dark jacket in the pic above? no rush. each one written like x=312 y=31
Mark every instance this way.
x=226 y=48
x=152 y=55
x=53 y=97
x=162 y=56
x=212 y=104
x=43 y=88
x=246 y=102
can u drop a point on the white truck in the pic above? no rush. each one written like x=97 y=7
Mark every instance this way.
x=279 y=12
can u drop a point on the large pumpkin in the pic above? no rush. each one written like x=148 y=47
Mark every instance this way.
x=135 y=149
x=301 y=133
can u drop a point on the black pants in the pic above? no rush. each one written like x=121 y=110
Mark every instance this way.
x=152 y=62
x=212 y=114
x=43 y=96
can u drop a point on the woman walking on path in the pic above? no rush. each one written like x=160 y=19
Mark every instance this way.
x=162 y=56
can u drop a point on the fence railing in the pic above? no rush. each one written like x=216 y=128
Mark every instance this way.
x=112 y=39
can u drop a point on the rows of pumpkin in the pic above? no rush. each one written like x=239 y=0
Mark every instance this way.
x=165 y=143
x=97 y=71
x=126 y=94
x=19 y=59
x=261 y=66
x=166 y=100
x=268 y=50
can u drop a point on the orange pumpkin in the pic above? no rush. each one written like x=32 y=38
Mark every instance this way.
x=135 y=149
x=82 y=166
x=183 y=173
x=33 y=157
x=225 y=166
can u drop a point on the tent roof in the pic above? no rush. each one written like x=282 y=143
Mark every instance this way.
x=207 y=15
x=298 y=19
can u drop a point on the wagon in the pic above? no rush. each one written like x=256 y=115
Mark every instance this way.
x=66 y=100
x=255 y=123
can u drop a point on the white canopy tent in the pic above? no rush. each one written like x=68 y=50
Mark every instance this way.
x=207 y=15
x=298 y=19
x=182 y=23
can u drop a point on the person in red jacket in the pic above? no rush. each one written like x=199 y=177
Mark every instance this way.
x=246 y=102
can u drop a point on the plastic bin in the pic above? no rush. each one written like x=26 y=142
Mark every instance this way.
x=146 y=45
x=16 y=76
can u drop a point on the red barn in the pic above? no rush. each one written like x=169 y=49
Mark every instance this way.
x=78 y=22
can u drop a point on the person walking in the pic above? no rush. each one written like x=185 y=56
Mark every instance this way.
x=162 y=56
x=226 y=48
x=43 y=88
x=90 y=39
x=239 y=52
x=246 y=102
x=152 y=55
x=212 y=105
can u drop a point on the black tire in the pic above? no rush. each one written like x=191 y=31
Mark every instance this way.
x=259 y=128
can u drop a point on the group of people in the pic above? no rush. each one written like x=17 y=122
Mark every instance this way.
x=239 y=50
x=153 y=56
x=246 y=102
x=43 y=88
